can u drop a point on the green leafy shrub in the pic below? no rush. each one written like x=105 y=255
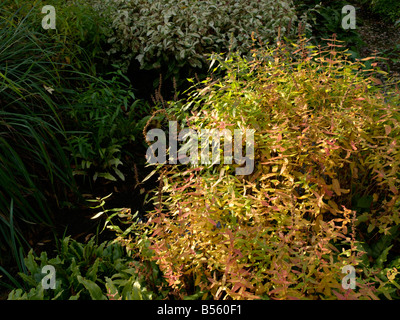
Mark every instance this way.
x=150 y=30
x=103 y=122
x=177 y=35
x=325 y=143
x=83 y=271
x=44 y=102
x=133 y=234
x=386 y=8
x=325 y=18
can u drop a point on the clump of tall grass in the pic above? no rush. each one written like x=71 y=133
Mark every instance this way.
x=34 y=170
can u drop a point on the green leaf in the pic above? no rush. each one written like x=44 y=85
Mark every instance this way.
x=16 y=294
x=94 y=290
x=28 y=279
x=112 y=289
x=115 y=162
x=364 y=202
x=31 y=263
x=75 y=297
x=137 y=291
x=58 y=295
x=107 y=175
x=92 y=272
x=195 y=296
x=119 y=174
x=370 y=228
x=383 y=257
x=36 y=293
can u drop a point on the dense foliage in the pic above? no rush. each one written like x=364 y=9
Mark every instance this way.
x=158 y=32
x=387 y=8
x=51 y=126
x=75 y=110
x=176 y=40
x=34 y=167
x=325 y=19
x=88 y=271
x=325 y=183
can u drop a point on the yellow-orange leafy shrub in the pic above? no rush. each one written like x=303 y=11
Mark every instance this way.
x=326 y=141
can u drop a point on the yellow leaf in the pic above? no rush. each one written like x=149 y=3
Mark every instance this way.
x=336 y=186
x=318 y=223
x=334 y=208
x=284 y=166
x=198 y=278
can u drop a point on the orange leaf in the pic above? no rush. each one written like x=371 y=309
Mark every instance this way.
x=376 y=81
x=388 y=129
x=368 y=58
x=393 y=189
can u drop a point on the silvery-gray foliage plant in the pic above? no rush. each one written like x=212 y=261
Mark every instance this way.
x=184 y=32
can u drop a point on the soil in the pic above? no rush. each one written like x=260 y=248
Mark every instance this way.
x=381 y=38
